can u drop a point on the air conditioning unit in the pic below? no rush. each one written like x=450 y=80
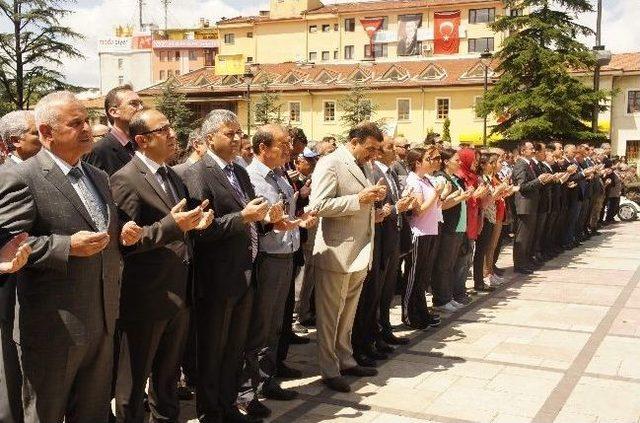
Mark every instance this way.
x=427 y=50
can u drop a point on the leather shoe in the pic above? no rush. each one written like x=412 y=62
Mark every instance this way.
x=184 y=393
x=285 y=372
x=338 y=384
x=523 y=270
x=433 y=320
x=256 y=409
x=298 y=340
x=372 y=352
x=233 y=415
x=359 y=371
x=484 y=288
x=364 y=360
x=390 y=338
x=383 y=347
x=275 y=392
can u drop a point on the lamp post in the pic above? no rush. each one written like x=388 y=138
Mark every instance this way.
x=485 y=58
x=603 y=57
x=248 y=78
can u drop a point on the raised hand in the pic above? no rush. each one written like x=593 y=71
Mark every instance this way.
x=373 y=193
x=130 y=233
x=14 y=254
x=255 y=210
x=275 y=213
x=86 y=243
x=188 y=220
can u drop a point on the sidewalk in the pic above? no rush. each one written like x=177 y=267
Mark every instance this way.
x=562 y=345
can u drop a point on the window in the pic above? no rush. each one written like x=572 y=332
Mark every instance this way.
x=482 y=15
x=325 y=55
x=120 y=63
x=350 y=25
x=381 y=50
x=313 y=56
x=336 y=27
x=229 y=38
x=478 y=45
x=162 y=56
x=121 y=80
x=516 y=12
x=313 y=28
x=162 y=75
x=329 y=108
x=169 y=73
x=294 y=111
x=404 y=109
x=249 y=34
x=335 y=54
x=633 y=102
x=177 y=72
x=193 y=55
x=326 y=28
x=348 y=52
x=249 y=59
x=385 y=21
x=177 y=55
x=442 y=108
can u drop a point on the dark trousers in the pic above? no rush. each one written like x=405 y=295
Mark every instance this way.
x=525 y=236
x=583 y=218
x=222 y=326
x=414 y=301
x=10 y=376
x=443 y=274
x=572 y=221
x=365 y=324
x=389 y=276
x=189 y=368
x=287 y=319
x=549 y=241
x=150 y=350
x=70 y=382
x=462 y=267
x=613 y=206
x=482 y=244
x=541 y=233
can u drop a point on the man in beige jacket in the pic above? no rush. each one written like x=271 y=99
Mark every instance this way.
x=343 y=249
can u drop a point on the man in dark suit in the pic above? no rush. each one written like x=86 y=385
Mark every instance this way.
x=224 y=256
x=69 y=291
x=526 y=199
x=116 y=149
x=14 y=253
x=154 y=317
x=544 y=204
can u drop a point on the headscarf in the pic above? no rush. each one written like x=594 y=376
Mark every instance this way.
x=467 y=157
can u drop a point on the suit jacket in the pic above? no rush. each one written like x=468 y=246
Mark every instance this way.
x=181 y=169
x=108 y=154
x=344 y=239
x=156 y=269
x=222 y=255
x=529 y=195
x=64 y=299
x=544 y=205
x=390 y=228
x=7 y=282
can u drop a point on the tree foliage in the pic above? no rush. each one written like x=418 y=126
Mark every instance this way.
x=268 y=108
x=446 y=130
x=356 y=107
x=172 y=104
x=536 y=95
x=32 y=53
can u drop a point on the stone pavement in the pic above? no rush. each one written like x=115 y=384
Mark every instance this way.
x=562 y=345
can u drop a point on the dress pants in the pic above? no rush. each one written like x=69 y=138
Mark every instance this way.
x=572 y=221
x=273 y=275
x=462 y=267
x=493 y=252
x=414 y=301
x=67 y=382
x=444 y=268
x=189 y=367
x=222 y=326
x=613 y=206
x=365 y=324
x=10 y=376
x=305 y=282
x=541 y=234
x=150 y=350
x=596 y=207
x=337 y=297
x=389 y=276
x=524 y=241
x=482 y=247
x=287 y=318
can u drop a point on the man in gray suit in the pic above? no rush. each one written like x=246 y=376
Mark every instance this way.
x=68 y=292
x=18 y=129
x=343 y=249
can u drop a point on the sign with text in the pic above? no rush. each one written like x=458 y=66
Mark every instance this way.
x=114 y=44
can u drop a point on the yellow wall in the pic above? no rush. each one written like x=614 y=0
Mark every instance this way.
x=242 y=44
x=280 y=42
x=626 y=127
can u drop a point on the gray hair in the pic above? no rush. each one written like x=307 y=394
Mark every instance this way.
x=215 y=119
x=47 y=110
x=195 y=137
x=14 y=124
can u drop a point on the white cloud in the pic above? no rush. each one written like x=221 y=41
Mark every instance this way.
x=619 y=33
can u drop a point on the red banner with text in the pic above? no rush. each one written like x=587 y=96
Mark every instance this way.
x=446 y=32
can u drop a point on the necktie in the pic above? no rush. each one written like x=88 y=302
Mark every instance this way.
x=169 y=189
x=395 y=193
x=253 y=232
x=281 y=194
x=95 y=206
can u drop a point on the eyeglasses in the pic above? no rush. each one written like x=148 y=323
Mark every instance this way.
x=233 y=134
x=166 y=128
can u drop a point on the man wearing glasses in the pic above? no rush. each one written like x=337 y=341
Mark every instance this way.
x=117 y=147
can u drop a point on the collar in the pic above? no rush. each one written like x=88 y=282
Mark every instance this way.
x=64 y=166
x=222 y=163
x=153 y=166
x=260 y=168
x=525 y=160
x=15 y=158
x=535 y=160
x=383 y=167
x=120 y=136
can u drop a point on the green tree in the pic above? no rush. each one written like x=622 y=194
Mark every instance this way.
x=172 y=104
x=356 y=106
x=536 y=95
x=446 y=130
x=268 y=108
x=34 y=50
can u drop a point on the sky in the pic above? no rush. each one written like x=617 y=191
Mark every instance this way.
x=96 y=19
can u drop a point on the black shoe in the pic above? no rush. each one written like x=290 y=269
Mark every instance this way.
x=484 y=288
x=371 y=352
x=433 y=320
x=383 y=347
x=298 y=340
x=523 y=270
x=364 y=360
x=275 y=392
x=233 y=415
x=285 y=372
x=498 y=271
x=466 y=300
x=311 y=322
x=596 y=233
x=338 y=384
x=256 y=409
x=185 y=393
x=390 y=338
x=296 y=327
x=359 y=371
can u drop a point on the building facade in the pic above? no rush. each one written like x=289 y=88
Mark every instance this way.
x=125 y=58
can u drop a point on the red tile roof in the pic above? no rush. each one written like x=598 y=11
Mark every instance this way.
x=627 y=62
x=366 y=6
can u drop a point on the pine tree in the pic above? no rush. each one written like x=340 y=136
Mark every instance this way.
x=356 y=107
x=536 y=96
x=446 y=130
x=268 y=108
x=172 y=104
x=33 y=52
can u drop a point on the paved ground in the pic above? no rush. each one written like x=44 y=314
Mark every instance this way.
x=560 y=346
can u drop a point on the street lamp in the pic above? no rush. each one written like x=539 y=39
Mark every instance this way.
x=248 y=78
x=485 y=59
x=603 y=57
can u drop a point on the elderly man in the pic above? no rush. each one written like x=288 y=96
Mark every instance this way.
x=224 y=257
x=66 y=207
x=343 y=249
x=245 y=156
x=196 y=148
x=20 y=135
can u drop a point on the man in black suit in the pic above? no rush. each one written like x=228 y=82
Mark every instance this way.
x=544 y=203
x=14 y=253
x=527 y=200
x=224 y=256
x=154 y=317
x=117 y=147
x=68 y=293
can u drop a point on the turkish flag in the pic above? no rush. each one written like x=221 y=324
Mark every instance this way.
x=371 y=25
x=446 y=35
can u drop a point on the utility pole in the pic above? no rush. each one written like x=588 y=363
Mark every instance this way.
x=165 y=4
x=596 y=74
x=140 y=6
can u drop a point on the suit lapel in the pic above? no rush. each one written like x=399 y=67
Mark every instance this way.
x=53 y=174
x=221 y=178
x=177 y=184
x=353 y=168
x=151 y=180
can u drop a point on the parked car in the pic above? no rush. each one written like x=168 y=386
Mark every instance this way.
x=629 y=210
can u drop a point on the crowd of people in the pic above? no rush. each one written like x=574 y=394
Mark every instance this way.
x=125 y=277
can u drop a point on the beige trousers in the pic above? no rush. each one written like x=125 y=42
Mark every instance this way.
x=337 y=297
